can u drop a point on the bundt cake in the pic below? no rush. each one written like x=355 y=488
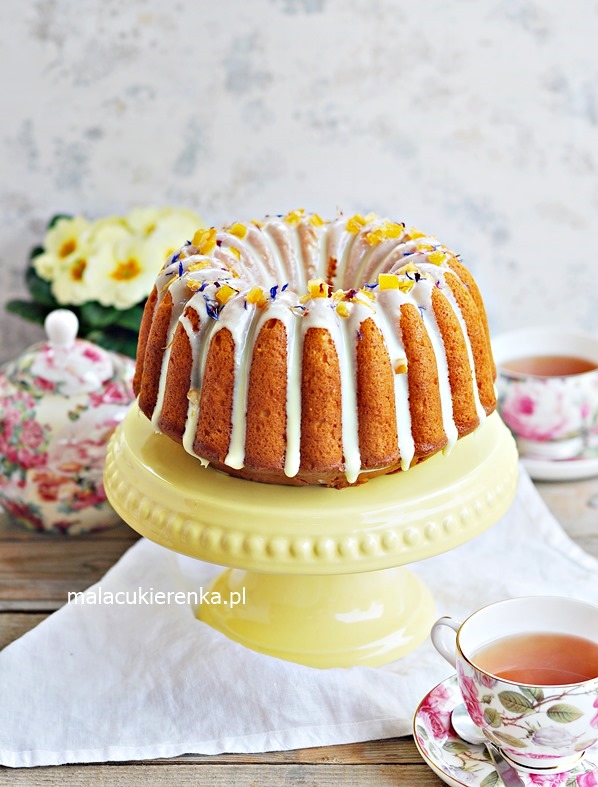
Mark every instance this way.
x=299 y=351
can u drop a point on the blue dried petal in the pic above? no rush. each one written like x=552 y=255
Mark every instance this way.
x=187 y=243
x=203 y=286
x=181 y=269
x=371 y=286
x=284 y=286
x=422 y=309
x=273 y=291
x=175 y=258
x=212 y=309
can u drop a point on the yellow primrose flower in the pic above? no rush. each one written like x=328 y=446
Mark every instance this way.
x=47 y=265
x=142 y=221
x=61 y=241
x=124 y=275
x=106 y=231
x=70 y=285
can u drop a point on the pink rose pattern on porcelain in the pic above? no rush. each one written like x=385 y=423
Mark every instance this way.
x=529 y=722
x=553 y=408
x=52 y=452
x=470 y=765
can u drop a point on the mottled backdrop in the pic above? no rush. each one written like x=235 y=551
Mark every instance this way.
x=474 y=119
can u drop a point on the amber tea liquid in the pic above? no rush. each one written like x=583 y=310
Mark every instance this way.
x=540 y=659
x=550 y=365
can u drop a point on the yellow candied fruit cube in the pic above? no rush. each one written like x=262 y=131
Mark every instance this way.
x=342 y=310
x=375 y=237
x=389 y=281
x=394 y=229
x=318 y=288
x=315 y=220
x=224 y=293
x=197 y=266
x=408 y=268
x=257 y=223
x=238 y=230
x=406 y=285
x=356 y=223
x=235 y=251
x=235 y=273
x=414 y=233
x=256 y=295
x=437 y=257
x=294 y=216
x=424 y=247
x=400 y=365
x=193 y=284
x=205 y=240
x=368 y=293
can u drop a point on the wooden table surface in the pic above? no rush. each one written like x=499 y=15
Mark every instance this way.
x=36 y=571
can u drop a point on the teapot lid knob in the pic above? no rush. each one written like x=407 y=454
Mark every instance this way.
x=61 y=327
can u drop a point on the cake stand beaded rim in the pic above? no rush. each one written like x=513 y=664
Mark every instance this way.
x=167 y=496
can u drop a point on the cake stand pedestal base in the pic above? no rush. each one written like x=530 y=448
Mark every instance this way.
x=318 y=565
x=338 y=620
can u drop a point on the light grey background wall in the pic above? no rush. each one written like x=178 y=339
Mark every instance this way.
x=476 y=120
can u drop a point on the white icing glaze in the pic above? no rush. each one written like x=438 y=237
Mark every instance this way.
x=276 y=254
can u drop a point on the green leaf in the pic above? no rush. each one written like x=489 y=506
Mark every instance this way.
x=563 y=713
x=115 y=339
x=510 y=740
x=422 y=732
x=493 y=717
x=131 y=318
x=34 y=312
x=583 y=745
x=56 y=218
x=40 y=289
x=515 y=702
x=455 y=747
x=35 y=252
x=486 y=699
x=491 y=780
x=534 y=694
x=94 y=315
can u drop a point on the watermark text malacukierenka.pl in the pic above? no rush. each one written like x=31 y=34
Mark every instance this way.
x=98 y=595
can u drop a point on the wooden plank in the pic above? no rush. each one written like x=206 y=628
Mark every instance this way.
x=223 y=776
x=575 y=505
x=45 y=569
x=14 y=625
x=11 y=531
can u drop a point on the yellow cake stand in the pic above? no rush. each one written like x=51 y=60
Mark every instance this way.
x=322 y=568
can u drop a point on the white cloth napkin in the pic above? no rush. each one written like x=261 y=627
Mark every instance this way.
x=97 y=683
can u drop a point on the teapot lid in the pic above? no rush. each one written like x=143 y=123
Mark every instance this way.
x=62 y=364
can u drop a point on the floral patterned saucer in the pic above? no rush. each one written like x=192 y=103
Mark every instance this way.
x=585 y=465
x=462 y=764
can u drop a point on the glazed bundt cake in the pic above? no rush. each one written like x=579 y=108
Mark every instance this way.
x=299 y=351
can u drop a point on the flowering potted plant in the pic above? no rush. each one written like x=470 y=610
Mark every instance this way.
x=103 y=270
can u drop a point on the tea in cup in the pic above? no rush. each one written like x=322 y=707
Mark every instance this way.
x=528 y=672
x=547 y=388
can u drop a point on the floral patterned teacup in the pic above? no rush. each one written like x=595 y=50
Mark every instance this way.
x=537 y=727
x=552 y=417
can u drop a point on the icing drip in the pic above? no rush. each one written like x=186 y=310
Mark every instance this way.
x=391 y=302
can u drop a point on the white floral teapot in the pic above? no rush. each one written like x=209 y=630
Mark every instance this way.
x=59 y=403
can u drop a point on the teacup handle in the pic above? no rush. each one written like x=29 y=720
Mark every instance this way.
x=438 y=635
